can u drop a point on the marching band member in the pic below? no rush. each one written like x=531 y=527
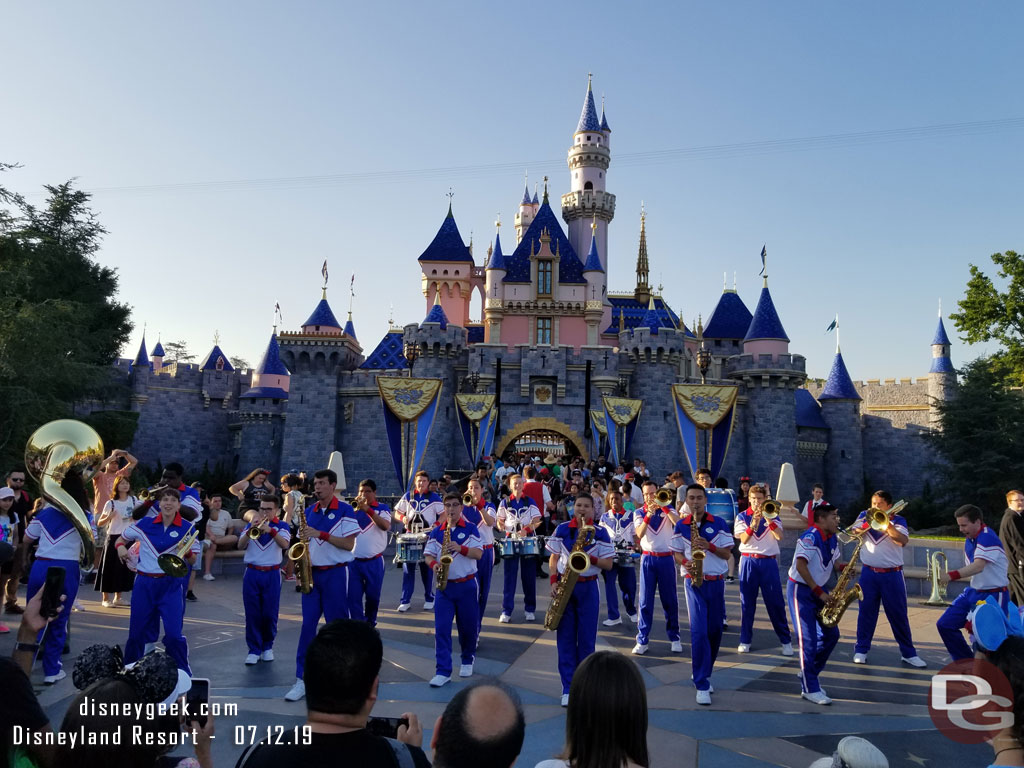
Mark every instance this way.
x=985 y=563
x=158 y=596
x=59 y=545
x=759 y=571
x=366 y=574
x=577 y=631
x=653 y=526
x=418 y=511
x=817 y=554
x=881 y=582
x=261 y=584
x=173 y=476
x=458 y=598
x=481 y=514
x=519 y=516
x=705 y=604
x=619 y=525
x=330 y=533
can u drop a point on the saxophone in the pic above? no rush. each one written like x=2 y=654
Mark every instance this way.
x=299 y=554
x=579 y=561
x=696 y=555
x=445 y=561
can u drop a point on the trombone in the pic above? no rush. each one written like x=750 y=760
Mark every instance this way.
x=877 y=520
x=173 y=563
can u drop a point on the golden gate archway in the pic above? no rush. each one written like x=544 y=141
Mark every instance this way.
x=540 y=426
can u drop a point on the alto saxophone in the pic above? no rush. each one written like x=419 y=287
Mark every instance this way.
x=445 y=560
x=696 y=555
x=299 y=554
x=579 y=562
x=840 y=597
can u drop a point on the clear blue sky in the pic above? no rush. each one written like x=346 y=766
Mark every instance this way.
x=395 y=102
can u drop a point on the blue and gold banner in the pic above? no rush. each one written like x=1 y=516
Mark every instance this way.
x=710 y=409
x=488 y=431
x=474 y=412
x=599 y=439
x=410 y=406
x=621 y=416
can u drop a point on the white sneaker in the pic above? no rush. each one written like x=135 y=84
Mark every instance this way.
x=51 y=679
x=466 y=670
x=704 y=697
x=860 y=658
x=612 y=622
x=106 y=603
x=818 y=697
x=297 y=692
x=632 y=617
x=565 y=699
x=639 y=649
x=77 y=607
x=428 y=605
x=504 y=618
x=743 y=648
x=914 y=661
x=438 y=680
x=529 y=616
x=150 y=647
x=787 y=649
x=677 y=646
x=209 y=577
x=725 y=624
x=267 y=655
x=403 y=607
x=251 y=659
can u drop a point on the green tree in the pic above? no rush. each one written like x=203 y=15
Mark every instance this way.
x=61 y=326
x=177 y=352
x=988 y=314
x=980 y=443
x=239 y=363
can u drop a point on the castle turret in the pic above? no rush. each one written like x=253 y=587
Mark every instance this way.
x=642 y=293
x=157 y=358
x=322 y=320
x=942 y=374
x=595 y=276
x=350 y=329
x=844 y=457
x=495 y=274
x=271 y=377
x=526 y=212
x=447 y=271
x=765 y=334
x=728 y=324
x=605 y=128
x=261 y=411
x=140 y=370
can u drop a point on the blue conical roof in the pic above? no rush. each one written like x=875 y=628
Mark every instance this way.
x=593 y=260
x=940 y=335
x=604 y=122
x=839 y=385
x=526 y=197
x=350 y=329
x=730 y=319
x=652 y=319
x=765 y=324
x=535 y=201
x=436 y=315
x=588 y=118
x=497 y=260
x=271 y=363
x=570 y=268
x=143 y=357
x=323 y=316
x=210 y=361
x=447 y=244
x=942 y=365
x=158 y=350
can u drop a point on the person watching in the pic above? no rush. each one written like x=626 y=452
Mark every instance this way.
x=217 y=534
x=483 y=724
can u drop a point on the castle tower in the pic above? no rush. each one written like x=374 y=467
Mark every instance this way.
x=142 y=358
x=447 y=267
x=157 y=358
x=765 y=336
x=261 y=411
x=587 y=199
x=643 y=267
x=941 y=375
x=495 y=274
x=728 y=324
x=596 y=280
x=526 y=213
x=844 y=458
x=350 y=329
x=217 y=377
x=140 y=371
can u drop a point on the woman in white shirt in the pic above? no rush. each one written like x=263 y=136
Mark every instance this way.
x=114 y=576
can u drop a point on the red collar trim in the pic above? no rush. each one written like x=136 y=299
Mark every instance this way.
x=274 y=520
x=824 y=536
x=460 y=524
x=574 y=524
x=331 y=506
x=708 y=518
x=482 y=504
x=176 y=522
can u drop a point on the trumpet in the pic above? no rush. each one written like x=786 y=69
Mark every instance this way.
x=770 y=509
x=665 y=497
x=173 y=563
x=255 y=531
x=467 y=499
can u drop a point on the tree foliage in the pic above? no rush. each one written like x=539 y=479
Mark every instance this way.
x=177 y=352
x=980 y=443
x=61 y=326
x=988 y=314
x=239 y=363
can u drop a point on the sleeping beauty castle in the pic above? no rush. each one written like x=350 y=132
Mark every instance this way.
x=557 y=364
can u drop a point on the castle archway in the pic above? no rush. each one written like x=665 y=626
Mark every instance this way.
x=542 y=435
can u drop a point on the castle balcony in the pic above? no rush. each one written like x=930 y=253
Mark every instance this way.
x=590 y=202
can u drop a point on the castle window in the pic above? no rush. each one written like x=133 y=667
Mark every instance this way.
x=588 y=138
x=588 y=185
x=543 y=330
x=544 y=278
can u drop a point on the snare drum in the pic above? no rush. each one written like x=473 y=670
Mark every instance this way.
x=623 y=556
x=410 y=547
x=510 y=547
x=530 y=546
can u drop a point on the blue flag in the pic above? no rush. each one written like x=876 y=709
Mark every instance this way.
x=833 y=325
x=764 y=257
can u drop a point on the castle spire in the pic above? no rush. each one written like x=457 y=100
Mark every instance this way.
x=643 y=289
x=593 y=259
x=588 y=117
x=839 y=385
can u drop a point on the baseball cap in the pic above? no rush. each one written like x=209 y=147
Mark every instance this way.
x=7 y=493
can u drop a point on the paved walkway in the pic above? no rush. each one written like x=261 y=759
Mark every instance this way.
x=757 y=718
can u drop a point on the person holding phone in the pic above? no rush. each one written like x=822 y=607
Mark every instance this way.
x=261 y=584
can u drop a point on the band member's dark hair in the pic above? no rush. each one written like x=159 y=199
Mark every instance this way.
x=823 y=510
x=696 y=487
x=458 y=747
x=677 y=475
x=969 y=511
x=169 y=492
x=586 y=496
x=452 y=497
x=273 y=498
x=421 y=473
x=176 y=468
x=330 y=474
x=883 y=495
x=820 y=487
x=530 y=473
x=703 y=471
x=649 y=482
x=368 y=483
x=341 y=664
x=721 y=483
x=475 y=479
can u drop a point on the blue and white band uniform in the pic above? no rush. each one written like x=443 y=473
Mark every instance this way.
x=619 y=528
x=419 y=512
x=561 y=544
x=189 y=500
x=879 y=550
x=989 y=548
x=762 y=542
x=472 y=515
x=264 y=551
x=372 y=539
x=485 y=566
x=513 y=514
x=659 y=533
x=337 y=520
x=156 y=540
x=463 y=535
x=820 y=552
x=58 y=538
x=715 y=530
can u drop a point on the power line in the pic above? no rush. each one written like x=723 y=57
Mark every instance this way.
x=629 y=159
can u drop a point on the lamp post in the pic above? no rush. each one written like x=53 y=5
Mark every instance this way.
x=470 y=383
x=703 y=354
x=411 y=350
